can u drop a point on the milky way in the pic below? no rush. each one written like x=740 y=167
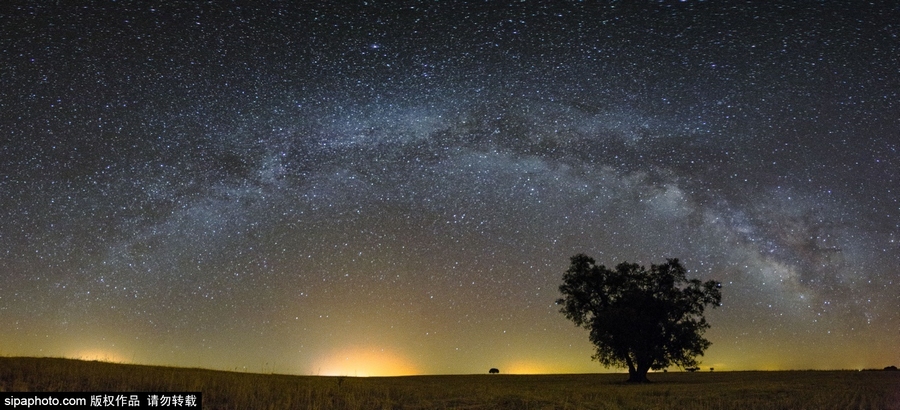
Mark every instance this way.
x=375 y=189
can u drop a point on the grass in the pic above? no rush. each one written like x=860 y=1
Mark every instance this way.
x=230 y=390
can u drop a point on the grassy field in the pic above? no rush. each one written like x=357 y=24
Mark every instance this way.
x=229 y=390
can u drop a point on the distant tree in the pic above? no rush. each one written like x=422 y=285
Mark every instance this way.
x=891 y=368
x=494 y=371
x=638 y=318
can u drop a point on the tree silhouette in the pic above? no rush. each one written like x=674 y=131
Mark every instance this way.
x=638 y=318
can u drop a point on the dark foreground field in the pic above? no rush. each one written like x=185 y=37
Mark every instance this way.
x=227 y=390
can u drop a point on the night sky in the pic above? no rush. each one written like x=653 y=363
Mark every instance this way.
x=383 y=189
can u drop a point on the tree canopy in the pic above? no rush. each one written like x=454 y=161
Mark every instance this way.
x=638 y=318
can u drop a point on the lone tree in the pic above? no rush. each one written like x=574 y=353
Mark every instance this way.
x=639 y=318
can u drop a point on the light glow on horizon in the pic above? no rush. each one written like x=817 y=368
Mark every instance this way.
x=99 y=355
x=364 y=362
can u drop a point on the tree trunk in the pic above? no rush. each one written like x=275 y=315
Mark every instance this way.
x=638 y=374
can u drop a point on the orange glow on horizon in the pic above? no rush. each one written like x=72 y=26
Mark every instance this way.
x=364 y=362
x=99 y=355
x=529 y=367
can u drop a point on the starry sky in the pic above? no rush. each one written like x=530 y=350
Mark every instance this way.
x=386 y=188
